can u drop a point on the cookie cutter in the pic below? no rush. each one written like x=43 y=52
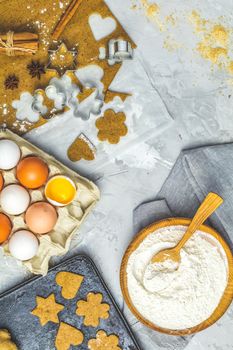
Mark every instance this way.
x=62 y=51
x=51 y=92
x=119 y=50
x=48 y=111
x=86 y=139
x=94 y=108
x=37 y=104
x=3 y=127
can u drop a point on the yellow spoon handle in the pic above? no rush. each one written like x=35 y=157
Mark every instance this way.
x=208 y=206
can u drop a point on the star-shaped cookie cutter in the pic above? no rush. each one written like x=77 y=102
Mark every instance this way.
x=57 y=60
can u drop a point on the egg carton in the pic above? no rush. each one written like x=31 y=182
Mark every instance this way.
x=70 y=217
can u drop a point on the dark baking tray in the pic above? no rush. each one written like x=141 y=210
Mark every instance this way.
x=16 y=306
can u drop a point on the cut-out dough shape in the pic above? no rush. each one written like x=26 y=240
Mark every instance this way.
x=110 y=95
x=91 y=105
x=47 y=309
x=101 y=27
x=58 y=98
x=93 y=309
x=24 y=109
x=91 y=76
x=54 y=104
x=5 y=340
x=111 y=126
x=68 y=335
x=69 y=283
x=81 y=148
x=104 y=342
x=85 y=94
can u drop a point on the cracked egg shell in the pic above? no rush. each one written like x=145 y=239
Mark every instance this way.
x=60 y=191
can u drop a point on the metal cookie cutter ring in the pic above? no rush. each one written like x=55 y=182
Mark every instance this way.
x=120 y=50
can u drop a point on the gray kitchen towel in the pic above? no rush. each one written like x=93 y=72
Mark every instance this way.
x=196 y=173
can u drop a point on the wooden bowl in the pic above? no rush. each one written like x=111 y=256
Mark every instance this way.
x=225 y=300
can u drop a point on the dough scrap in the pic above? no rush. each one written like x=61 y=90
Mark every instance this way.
x=5 y=340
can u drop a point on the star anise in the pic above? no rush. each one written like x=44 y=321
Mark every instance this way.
x=12 y=82
x=36 y=69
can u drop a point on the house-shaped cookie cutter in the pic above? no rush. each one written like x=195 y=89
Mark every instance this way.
x=118 y=50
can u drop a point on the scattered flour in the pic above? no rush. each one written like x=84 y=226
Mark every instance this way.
x=188 y=295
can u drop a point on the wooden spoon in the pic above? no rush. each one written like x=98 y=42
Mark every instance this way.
x=208 y=206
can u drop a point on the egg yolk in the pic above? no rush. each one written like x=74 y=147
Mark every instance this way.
x=5 y=227
x=60 y=190
x=1 y=182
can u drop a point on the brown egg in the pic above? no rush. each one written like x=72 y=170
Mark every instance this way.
x=32 y=172
x=1 y=182
x=41 y=217
x=5 y=227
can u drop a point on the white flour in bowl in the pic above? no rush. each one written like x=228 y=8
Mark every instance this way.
x=187 y=296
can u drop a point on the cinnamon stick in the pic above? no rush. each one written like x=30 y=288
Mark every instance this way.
x=22 y=44
x=24 y=36
x=66 y=17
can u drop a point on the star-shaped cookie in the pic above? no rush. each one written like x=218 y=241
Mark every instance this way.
x=47 y=309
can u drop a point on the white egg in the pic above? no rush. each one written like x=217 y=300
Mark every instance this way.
x=14 y=199
x=9 y=154
x=23 y=245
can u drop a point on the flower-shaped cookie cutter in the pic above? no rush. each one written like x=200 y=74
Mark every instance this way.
x=54 y=102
